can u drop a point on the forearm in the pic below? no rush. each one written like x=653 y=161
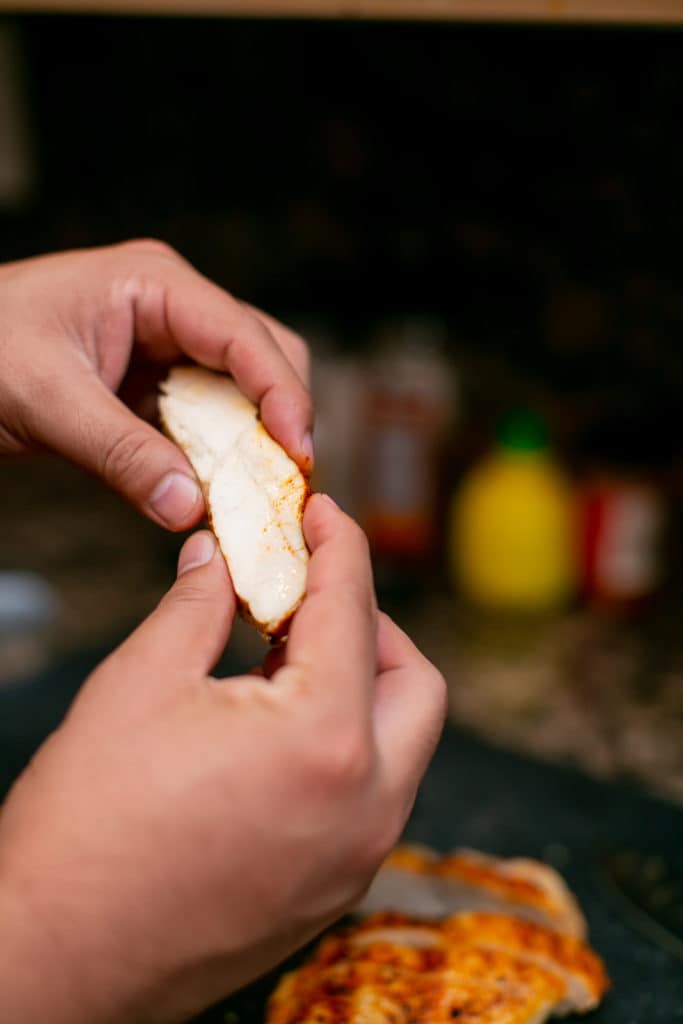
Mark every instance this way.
x=34 y=980
x=46 y=970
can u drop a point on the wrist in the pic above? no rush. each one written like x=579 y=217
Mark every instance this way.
x=33 y=977
x=49 y=969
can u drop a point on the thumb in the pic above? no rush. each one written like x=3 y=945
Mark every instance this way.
x=98 y=432
x=191 y=625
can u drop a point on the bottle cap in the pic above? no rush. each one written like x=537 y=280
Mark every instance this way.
x=523 y=431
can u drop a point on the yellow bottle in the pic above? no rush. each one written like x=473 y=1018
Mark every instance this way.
x=512 y=525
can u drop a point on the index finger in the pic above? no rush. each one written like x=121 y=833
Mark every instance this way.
x=291 y=343
x=333 y=640
x=175 y=305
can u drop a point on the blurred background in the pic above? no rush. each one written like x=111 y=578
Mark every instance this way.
x=478 y=229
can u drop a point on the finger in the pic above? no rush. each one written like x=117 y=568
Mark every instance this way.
x=190 y=627
x=174 y=304
x=291 y=343
x=394 y=646
x=332 y=642
x=95 y=430
x=410 y=707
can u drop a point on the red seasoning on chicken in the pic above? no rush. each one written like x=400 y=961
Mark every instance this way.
x=469 y=967
x=417 y=881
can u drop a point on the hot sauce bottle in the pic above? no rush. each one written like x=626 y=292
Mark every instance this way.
x=409 y=410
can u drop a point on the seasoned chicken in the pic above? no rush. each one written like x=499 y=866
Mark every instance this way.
x=475 y=967
x=582 y=972
x=416 y=881
x=478 y=968
x=368 y=993
x=255 y=494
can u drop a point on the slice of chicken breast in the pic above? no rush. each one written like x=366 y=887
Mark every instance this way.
x=416 y=881
x=372 y=992
x=380 y=982
x=582 y=973
x=255 y=494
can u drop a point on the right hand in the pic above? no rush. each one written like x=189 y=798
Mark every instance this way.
x=178 y=835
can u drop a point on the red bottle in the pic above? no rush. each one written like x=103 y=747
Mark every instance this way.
x=622 y=519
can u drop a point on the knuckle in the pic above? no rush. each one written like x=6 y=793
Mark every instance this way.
x=358 y=537
x=300 y=346
x=184 y=594
x=152 y=245
x=124 y=455
x=353 y=538
x=344 y=760
x=438 y=689
x=300 y=352
x=382 y=840
x=372 y=845
x=189 y=592
x=307 y=404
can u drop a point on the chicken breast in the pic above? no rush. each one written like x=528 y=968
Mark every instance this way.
x=581 y=970
x=373 y=993
x=255 y=494
x=482 y=969
x=416 y=881
x=473 y=967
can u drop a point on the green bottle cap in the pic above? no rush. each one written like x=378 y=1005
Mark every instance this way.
x=523 y=431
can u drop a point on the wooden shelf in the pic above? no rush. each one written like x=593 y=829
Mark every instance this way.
x=644 y=12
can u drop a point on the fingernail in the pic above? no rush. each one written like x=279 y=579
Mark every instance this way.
x=197 y=551
x=329 y=500
x=175 y=498
x=307 y=446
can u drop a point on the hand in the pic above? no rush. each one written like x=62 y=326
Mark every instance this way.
x=71 y=324
x=178 y=834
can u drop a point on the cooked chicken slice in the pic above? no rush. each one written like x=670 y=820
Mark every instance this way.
x=408 y=883
x=554 y=974
x=366 y=992
x=475 y=967
x=522 y=882
x=468 y=962
x=417 y=882
x=255 y=494
x=583 y=971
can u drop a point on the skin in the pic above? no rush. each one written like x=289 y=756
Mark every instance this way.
x=177 y=835
x=72 y=326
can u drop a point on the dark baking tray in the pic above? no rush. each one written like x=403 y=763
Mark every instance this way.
x=477 y=796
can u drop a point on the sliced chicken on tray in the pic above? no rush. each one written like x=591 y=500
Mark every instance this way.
x=367 y=993
x=255 y=494
x=582 y=972
x=416 y=881
x=475 y=968
x=471 y=967
x=486 y=966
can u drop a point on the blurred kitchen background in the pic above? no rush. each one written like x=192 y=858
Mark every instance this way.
x=478 y=229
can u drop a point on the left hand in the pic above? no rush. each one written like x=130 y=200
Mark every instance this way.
x=73 y=324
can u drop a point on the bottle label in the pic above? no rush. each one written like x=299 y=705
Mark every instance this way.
x=400 y=471
x=626 y=556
